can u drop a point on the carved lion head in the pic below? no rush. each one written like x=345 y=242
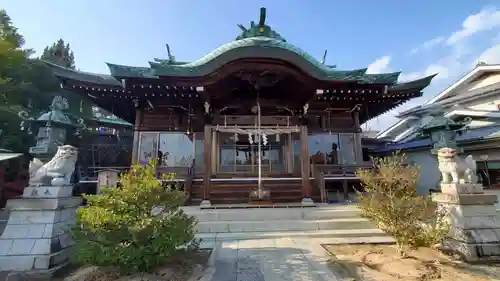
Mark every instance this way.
x=66 y=151
x=447 y=153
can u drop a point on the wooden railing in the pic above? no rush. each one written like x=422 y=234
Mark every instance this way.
x=340 y=170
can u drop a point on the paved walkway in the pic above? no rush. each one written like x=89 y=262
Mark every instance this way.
x=285 y=259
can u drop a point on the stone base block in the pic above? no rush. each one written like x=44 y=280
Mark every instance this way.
x=35 y=274
x=473 y=252
x=461 y=188
x=36 y=237
x=465 y=199
x=48 y=262
x=39 y=204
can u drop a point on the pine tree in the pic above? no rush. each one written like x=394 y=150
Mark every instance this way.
x=8 y=31
x=59 y=53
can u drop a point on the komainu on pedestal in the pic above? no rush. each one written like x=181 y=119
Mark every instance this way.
x=475 y=224
x=35 y=239
x=57 y=171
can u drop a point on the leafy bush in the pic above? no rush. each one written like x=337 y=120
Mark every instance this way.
x=135 y=227
x=390 y=201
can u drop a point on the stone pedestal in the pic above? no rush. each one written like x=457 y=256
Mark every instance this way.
x=35 y=237
x=475 y=224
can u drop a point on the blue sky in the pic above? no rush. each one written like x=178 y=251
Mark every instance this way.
x=416 y=37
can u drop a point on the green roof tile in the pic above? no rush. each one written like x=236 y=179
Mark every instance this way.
x=93 y=78
x=415 y=84
x=257 y=41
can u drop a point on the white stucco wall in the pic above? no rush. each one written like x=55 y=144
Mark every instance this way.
x=429 y=173
x=486 y=81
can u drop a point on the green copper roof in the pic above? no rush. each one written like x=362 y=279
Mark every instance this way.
x=257 y=41
x=415 y=84
x=92 y=78
x=256 y=47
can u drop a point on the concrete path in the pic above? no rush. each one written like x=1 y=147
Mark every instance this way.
x=285 y=259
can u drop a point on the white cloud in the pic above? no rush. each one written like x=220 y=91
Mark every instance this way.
x=405 y=77
x=380 y=65
x=486 y=19
x=444 y=71
x=490 y=55
x=460 y=58
x=428 y=45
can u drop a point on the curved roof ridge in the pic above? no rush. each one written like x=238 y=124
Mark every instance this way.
x=118 y=70
x=89 y=77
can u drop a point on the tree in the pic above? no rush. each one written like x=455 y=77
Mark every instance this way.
x=8 y=31
x=390 y=201
x=59 y=53
x=135 y=227
x=12 y=62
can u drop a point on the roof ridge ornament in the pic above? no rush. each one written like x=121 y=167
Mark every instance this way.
x=171 y=58
x=324 y=56
x=259 y=30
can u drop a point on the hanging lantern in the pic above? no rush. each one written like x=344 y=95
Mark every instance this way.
x=264 y=138
x=277 y=137
x=236 y=137
x=250 y=140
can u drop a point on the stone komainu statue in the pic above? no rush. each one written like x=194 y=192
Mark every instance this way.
x=453 y=168
x=57 y=171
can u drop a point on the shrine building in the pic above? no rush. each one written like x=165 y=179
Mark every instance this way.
x=255 y=119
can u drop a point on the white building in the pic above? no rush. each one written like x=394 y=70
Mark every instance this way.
x=475 y=96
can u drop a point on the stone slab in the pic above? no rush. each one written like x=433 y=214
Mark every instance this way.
x=465 y=199
x=276 y=214
x=475 y=236
x=339 y=233
x=283 y=225
x=268 y=260
x=474 y=252
x=470 y=210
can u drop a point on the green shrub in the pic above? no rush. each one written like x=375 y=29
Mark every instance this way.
x=389 y=199
x=135 y=227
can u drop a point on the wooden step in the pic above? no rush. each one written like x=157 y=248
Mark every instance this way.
x=236 y=191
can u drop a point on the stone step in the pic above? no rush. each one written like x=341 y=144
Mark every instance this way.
x=273 y=214
x=282 y=225
x=209 y=239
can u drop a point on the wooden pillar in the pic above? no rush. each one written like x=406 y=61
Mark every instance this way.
x=358 y=149
x=305 y=163
x=345 y=186
x=137 y=135
x=208 y=162
x=289 y=153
